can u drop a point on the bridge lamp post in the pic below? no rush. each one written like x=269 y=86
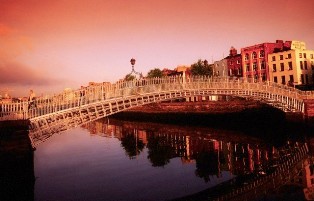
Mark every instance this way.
x=133 y=71
x=132 y=63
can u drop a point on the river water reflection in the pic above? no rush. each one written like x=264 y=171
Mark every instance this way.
x=119 y=160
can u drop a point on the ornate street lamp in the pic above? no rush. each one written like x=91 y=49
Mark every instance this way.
x=132 y=63
x=133 y=71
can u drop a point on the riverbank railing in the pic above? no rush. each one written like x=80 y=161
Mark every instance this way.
x=288 y=97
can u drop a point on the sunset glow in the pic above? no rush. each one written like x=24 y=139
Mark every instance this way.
x=51 y=45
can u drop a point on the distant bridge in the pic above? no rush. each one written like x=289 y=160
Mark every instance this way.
x=101 y=100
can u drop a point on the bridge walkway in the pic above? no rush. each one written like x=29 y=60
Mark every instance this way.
x=146 y=91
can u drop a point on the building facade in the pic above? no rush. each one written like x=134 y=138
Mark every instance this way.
x=234 y=63
x=292 y=67
x=255 y=59
x=220 y=68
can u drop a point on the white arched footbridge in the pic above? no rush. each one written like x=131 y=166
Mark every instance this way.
x=73 y=108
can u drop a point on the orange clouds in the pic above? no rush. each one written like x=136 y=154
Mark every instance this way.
x=16 y=73
x=12 y=46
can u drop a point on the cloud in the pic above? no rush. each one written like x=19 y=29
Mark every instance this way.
x=16 y=73
x=12 y=45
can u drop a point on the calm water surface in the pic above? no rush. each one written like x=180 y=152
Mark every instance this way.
x=125 y=161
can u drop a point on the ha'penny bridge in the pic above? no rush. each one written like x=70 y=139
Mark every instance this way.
x=48 y=115
x=73 y=108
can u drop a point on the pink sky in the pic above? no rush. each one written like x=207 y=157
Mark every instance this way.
x=54 y=44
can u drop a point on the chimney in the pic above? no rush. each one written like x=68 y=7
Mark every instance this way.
x=233 y=51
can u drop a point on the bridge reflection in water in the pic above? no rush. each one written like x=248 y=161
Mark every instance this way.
x=256 y=169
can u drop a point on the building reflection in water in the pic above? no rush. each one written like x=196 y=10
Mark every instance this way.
x=214 y=152
x=212 y=155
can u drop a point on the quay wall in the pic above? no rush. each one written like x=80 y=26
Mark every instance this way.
x=17 y=178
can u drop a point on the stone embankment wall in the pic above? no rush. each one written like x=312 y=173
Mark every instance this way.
x=16 y=162
x=201 y=106
x=232 y=113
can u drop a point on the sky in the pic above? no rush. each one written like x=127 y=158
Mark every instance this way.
x=50 y=45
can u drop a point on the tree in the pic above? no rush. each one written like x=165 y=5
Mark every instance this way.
x=132 y=145
x=154 y=73
x=129 y=77
x=160 y=151
x=206 y=165
x=201 y=68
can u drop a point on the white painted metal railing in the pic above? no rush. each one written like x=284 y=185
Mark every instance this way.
x=291 y=97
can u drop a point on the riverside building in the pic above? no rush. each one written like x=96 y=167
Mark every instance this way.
x=255 y=59
x=234 y=63
x=294 y=66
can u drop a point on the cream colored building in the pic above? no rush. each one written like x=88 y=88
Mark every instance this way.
x=295 y=66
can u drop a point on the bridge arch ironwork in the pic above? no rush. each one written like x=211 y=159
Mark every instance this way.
x=125 y=94
x=101 y=100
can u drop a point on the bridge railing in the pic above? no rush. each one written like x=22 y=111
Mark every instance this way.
x=13 y=111
x=105 y=91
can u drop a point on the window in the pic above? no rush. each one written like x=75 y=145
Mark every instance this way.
x=238 y=61
x=302 y=79
x=300 y=55
x=263 y=77
x=255 y=66
x=301 y=65
x=282 y=67
x=290 y=65
x=247 y=67
x=305 y=65
x=263 y=66
x=275 y=79
x=281 y=57
x=261 y=54
x=312 y=56
x=312 y=65
x=311 y=170
x=231 y=62
x=254 y=56
x=306 y=79
x=304 y=55
x=274 y=68
x=255 y=77
x=240 y=71
x=289 y=56
x=291 y=78
x=274 y=58
x=246 y=57
x=283 y=79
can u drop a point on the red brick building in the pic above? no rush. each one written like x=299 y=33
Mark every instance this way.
x=255 y=59
x=234 y=63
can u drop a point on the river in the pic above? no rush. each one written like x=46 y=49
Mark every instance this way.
x=117 y=160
